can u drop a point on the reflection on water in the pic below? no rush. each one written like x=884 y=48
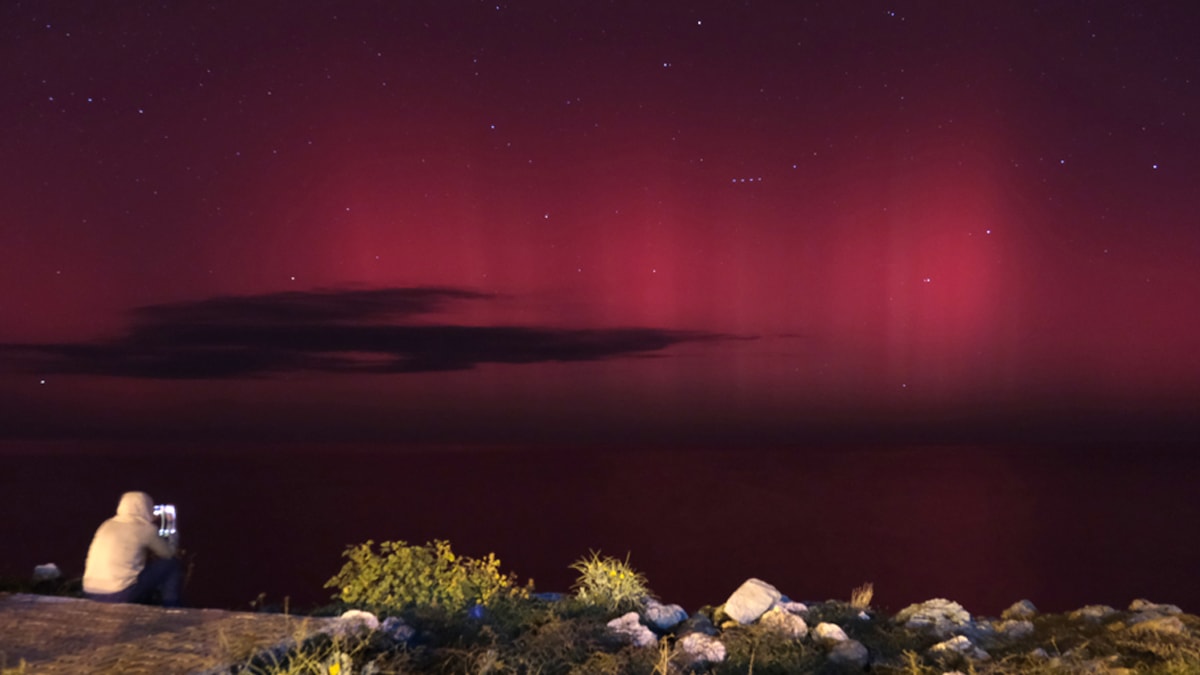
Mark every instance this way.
x=983 y=526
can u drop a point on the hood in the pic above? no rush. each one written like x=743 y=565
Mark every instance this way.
x=136 y=505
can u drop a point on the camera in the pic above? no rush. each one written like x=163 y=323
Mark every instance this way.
x=166 y=519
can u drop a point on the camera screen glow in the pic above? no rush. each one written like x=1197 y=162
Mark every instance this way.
x=166 y=519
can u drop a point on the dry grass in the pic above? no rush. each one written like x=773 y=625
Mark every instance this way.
x=860 y=598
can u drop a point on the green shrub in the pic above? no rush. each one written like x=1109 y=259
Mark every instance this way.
x=609 y=582
x=401 y=576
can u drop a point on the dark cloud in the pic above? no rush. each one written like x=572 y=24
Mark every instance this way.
x=335 y=331
x=295 y=307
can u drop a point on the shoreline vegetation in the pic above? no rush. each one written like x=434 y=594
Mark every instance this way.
x=422 y=608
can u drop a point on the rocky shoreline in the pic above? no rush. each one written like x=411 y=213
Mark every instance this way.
x=937 y=636
x=956 y=636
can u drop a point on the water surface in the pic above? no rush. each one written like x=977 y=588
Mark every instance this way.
x=985 y=526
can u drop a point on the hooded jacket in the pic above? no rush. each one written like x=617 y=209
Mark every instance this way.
x=118 y=551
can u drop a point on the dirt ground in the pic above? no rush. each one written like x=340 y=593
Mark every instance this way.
x=69 y=636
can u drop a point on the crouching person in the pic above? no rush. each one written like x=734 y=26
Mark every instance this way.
x=128 y=561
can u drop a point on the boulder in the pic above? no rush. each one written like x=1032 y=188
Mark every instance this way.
x=939 y=616
x=1014 y=629
x=697 y=623
x=751 y=600
x=1092 y=613
x=785 y=623
x=1160 y=625
x=962 y=645
x=1022 y=609
x=354 y=622
x=663 y=617
x=47 y=572
x=829 y=634
x=1145 y=606
x=793 y=607
x=699 y=648
x=629 y=628
x=850 y=653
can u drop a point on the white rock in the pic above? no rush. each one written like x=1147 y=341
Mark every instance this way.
x=829 y=634
x=629 y=628
x=356 y=621
x=1014 y=629
x=751 y=600
x=1023 y=609
x=784 y=623
x=1093 y=613
x=938 y=616
x=850 y=653
x=960 y=644
x=664 y=617
x=1143 y=605
x=793 y=607
x=701 y=648
x=1160 y=624
x=47 y=572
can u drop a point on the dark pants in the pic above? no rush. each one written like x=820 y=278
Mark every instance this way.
x=164 y=575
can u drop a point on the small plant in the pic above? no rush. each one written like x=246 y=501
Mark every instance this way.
x=860 y=598
x=320 y=654
x=401 y=576
x=609 y=582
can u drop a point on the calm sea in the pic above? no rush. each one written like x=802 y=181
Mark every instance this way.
x=985 y=526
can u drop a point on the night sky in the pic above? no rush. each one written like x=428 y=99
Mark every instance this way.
x=523 y=222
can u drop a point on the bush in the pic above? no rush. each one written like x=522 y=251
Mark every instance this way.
x=401 y=576
x=609 y=582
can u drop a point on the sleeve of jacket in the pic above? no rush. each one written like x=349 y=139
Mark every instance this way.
x=158 y=545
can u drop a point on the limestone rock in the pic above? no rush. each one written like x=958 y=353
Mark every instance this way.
x=784 y=623
x=629 y=628
x=1161 y=625
x=1092 y=613
x=1143 y=605
x=1023 y=609
x=355 y=621
x=938 y=616
x=663 y=617
x=47 y=572
x=850 y=653
x=829 y=634
x=960 y=644
x=793 y=607
x=1014 y=629
x=700 y=648
x=751 y=600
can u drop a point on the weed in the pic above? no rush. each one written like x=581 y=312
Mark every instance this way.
x=610 y=582
x=401 y=576
x=860 y=598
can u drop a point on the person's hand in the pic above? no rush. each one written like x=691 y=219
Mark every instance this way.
x=173 y=540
